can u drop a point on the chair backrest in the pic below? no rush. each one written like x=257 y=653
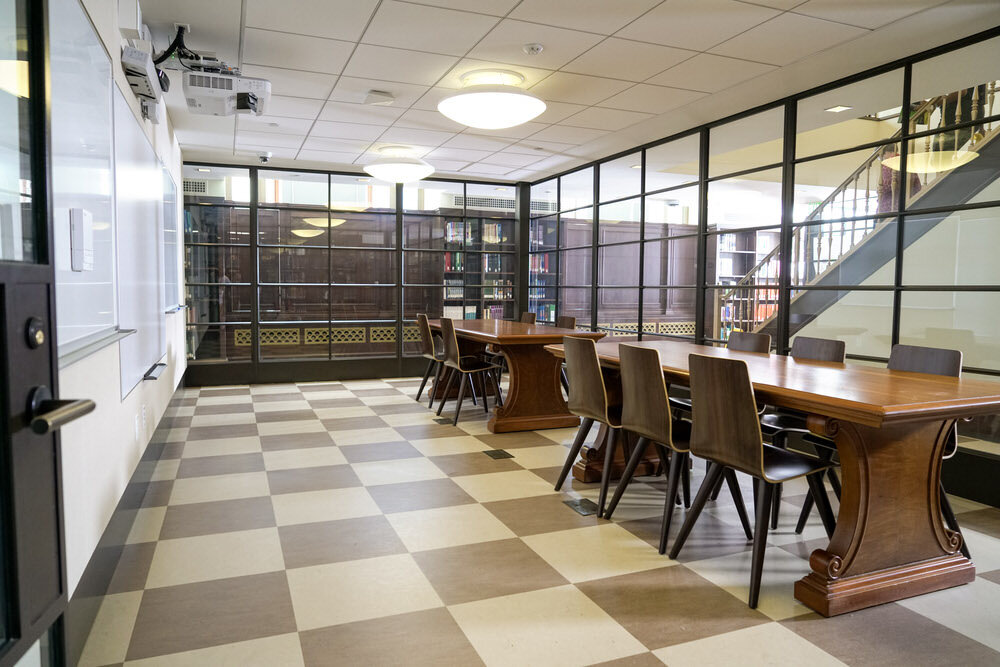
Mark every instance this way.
x=931 y=360
x=724 y=424
x=819 y=349
x=566 y=322
x=426 y=337
x=744 y=341
x=645 y=405
x=588 y=397
x=528 y=318
x=452 y=355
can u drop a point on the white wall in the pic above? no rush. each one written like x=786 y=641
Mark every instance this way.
x=100 y=452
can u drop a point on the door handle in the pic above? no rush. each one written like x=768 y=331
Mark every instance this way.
x=48 y=415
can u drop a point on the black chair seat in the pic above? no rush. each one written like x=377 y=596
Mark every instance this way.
x=473 y=364
x=680 y=403
x=781 y=465
x=772 y=422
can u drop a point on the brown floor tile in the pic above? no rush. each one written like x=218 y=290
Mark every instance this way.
x=474 y=463
x=270 y=443
x=429 y=638
x=183 y=402
x=174 y=422
x=133 y=568
x=890 y=635
x=539 y=514
x=236 y=391
x=424 y=495
x=332 y=386
x=163 y=451
x=224 y=431
x=277 y=398
x=407 y=383
x=670 y=605
x=210 y=613
x=379 y=451
x=285 y=416
x=486 y=570
x=224 y=409
x=515 y=440
x=804 y=548
x=203 y=466
x=993 y=576
x=376 y=392
x=426 y=431
x=298 y=480
x=146 y=494
x=399 y=408
x=334 y=541
x=640 y=660
x=217 y=517
x=353 y=423
x=710 y=538
x=335 y=403
x=986 y=521
x=551 y=475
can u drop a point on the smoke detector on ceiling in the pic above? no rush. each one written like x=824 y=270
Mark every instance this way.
x=379 y=98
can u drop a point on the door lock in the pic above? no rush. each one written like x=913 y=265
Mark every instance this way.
x=35 y=333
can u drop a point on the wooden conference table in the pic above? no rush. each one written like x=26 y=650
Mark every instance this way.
x=890 y=428
x=534 y=398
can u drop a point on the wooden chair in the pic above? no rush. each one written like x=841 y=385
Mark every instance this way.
x=565 y=322
x=726 y=431
x=469 y=368
x=528 y=318
x=588 y=398
x=432 y=349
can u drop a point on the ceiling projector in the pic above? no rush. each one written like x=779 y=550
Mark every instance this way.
x=219 y=94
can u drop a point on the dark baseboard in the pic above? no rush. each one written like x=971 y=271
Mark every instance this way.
x=973 y=475
x=213 y=374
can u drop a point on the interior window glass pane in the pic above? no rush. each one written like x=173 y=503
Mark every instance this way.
x=980 y=433
x=434 y=268
x=956 y=248
x=294 y=341
x=292 y=228
x=294 y=265
x=754 y=141
x=619 y=264
x=491 y=303
x=618 y=309
x=751 y=200
x=740 y=309
x=672 y=213
x=370 y=267
x=287 y=303
x=860 y=318
x=671 y=262
x=965 y=321
x=619 y=222
x=17 y=234
x=489 y=234
x=364 y=303
x=542 y=302
x=669 y=311
x=543 y=233
x=218 y=264
x=219 y=303
x=857 y=252
x=576 y=228
x=864 y=112
x=216 y=224
x=218 y=342
x=575 y=302
x=363 y=230
x=216 y=185
x=292 y=188
x=491 y=268
x=575 y=266
x=491 y=200
x=621 y=177
x=952 y=168
x=360 y=193
x=543 y=198
x=956 y=87
x=748 y=256
x=426 y=300
x=541 y=268
x=363 y=339
x=433 y=232
x=576 y=190
x=673 y=163
x=849 y=185
x=437 y=197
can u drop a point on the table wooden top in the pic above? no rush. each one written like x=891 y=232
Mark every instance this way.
x=861 y=394
x=504 y=332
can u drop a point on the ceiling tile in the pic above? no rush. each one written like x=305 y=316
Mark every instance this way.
x=651 y=99
x=205 y=138
x=557 y=111
x=350 y=89
x=696 y=24
x=294 y=83
x=328 y=156
x=280 y=49
x=293 y=107
x=462 y=154
x=779 y=4
x=512 y=159
x=271 y=139
x=569 y=135
x=355 y=146
x=333 y=130
x=275 y=151
x=864 y=13
x=624 y=59
x=453 y=79
x=408 y=26
x=487 y=169
x=532 y=146
x=788 y=38
x=590 y=15
x=477 y=143
x=605 y=119
x=414 y=149
x=360 y=113
x=275 y=124
x=218 y=23
x=553 y=162
x=406 y=135
x=577 y=88
x=381 y=62
x=421 y=119
x=493 y=7
x=447 y=165
x=335 y=19
x=710 y=73
x=506 y=41
x=430 y=99
x=517 y=132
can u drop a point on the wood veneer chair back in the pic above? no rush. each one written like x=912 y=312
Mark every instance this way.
x=426 y=338
x=819 y=349
x=645 y=405
x=452 y=355
x=527 y=318
x=588 y=397
x=724 y=425
x=566 y=322
x=745 y=341
x=931 y=360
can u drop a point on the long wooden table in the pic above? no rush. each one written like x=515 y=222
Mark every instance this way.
x=534 y=397
x=890 y=428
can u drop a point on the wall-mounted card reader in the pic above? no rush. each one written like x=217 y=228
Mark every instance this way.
x=81 y=239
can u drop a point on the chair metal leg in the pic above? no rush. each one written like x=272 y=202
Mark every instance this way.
x=714 y=474
x=678 y=466
x=496 y=386
x=438 y=379
x=717 y=490
x=564 y=379
x=633 y=462
x=472 y=386
x=807 y=507
x=447 y=389
x=686 y=481
x=574 y=451
x=609 y=459
x=831 y=475
x=462 y=384
x=950 y=520
x=763 y=503
x=818 y=493
x=482 y=385
x=734 y=488
x=775 y=506
x=427 y=374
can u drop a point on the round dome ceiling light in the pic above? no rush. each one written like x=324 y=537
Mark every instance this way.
x=491 y=100
x=397 y=166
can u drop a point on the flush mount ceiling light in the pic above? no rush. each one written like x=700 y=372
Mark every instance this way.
x=838 y=108
x=307 y=233
x=321 y=222
x=932 y=162
x=397 y=166
x=491 y=100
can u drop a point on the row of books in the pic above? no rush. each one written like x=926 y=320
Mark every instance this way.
x=539 y=263
x=493 y=233
x=545 y=312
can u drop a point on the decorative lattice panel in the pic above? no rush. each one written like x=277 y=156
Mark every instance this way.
x=411 y=334
x=243 y=337
x=649 y=327
x=270 y=336
x=677 y=328
x=383 y=335
x=346 y=335
x=316 y=336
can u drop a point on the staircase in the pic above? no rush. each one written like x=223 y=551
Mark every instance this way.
x=847 y=252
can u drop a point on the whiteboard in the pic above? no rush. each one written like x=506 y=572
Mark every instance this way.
x=139 y=228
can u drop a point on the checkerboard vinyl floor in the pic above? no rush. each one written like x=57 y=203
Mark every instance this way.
x=344 y=524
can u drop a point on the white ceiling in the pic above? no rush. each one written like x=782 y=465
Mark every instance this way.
x=614 y=74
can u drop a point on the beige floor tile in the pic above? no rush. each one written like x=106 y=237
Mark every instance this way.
x=288 y=428
x=327 y=395
x=311 y=457
x=959 y=505
x=396 y=471
x=972 y=609
x=565 y=436
x=112 y=630
x=221 y=447
x=224 y=400
x=362 y=589
x=284 y=650
x=274 y=389
x=147 y=525
x=165 y=469
x=410 y=418
x=448 y=527
x=223 y=420
x=386 y=400
x=639 y=501
x=185 y=411
x=554 y=626
x=176 y=435
x=474 y=427
x=766 y=644
x=366 y=384
x=219 y=487
x=596 y=552
x=504 y=485
x=985 y=549
x=281 y=406
x=191 y=559
x=781 y=570
x=366 y=436
x=344 y=413
x=465 y=444
x=541 y=457
x=326 y=505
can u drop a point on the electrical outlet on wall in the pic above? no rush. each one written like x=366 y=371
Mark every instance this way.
x=145 y=426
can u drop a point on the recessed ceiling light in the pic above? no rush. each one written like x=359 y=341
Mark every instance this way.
x=203 y=170
x=636 y=166
x=838 y=108
x=397 y=166
x=491 y=100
